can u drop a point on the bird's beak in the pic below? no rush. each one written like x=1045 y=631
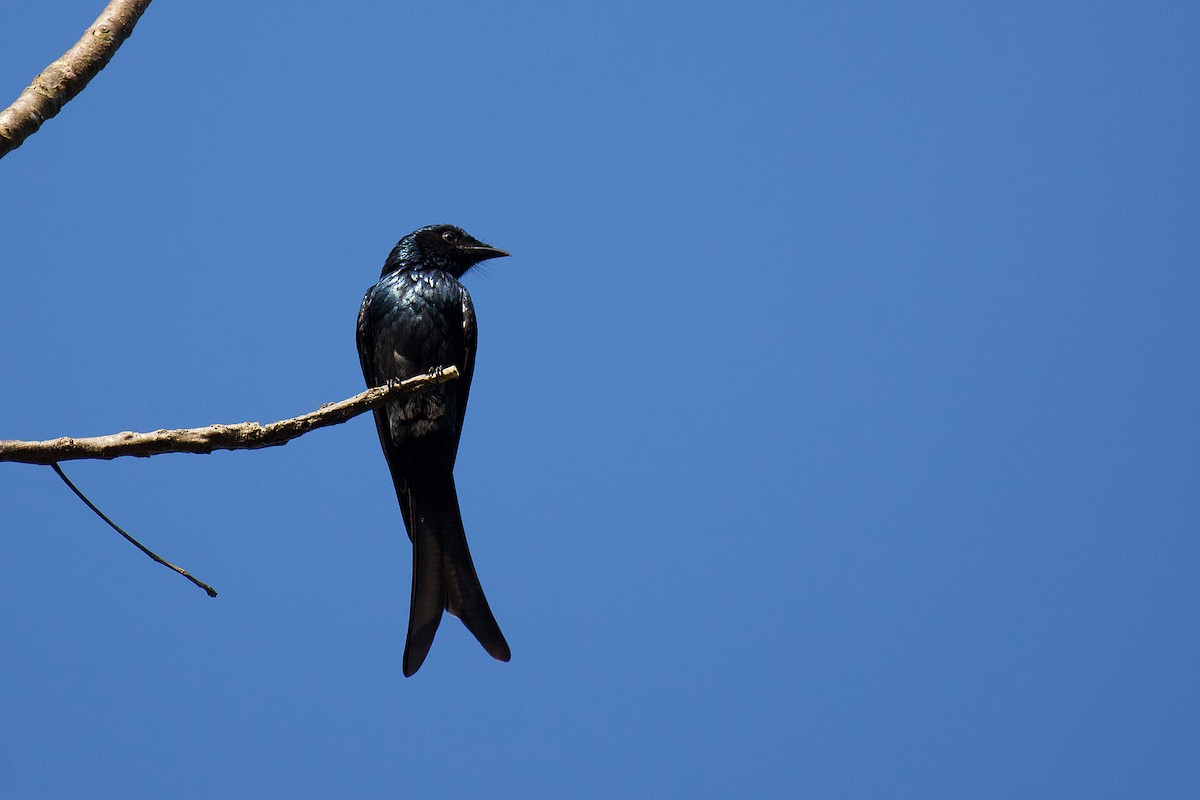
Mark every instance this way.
x=482 y=252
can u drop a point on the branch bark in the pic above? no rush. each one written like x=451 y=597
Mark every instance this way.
x=242 y=436
x=66 y=77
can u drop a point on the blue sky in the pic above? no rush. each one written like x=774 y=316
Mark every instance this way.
x=833 y=432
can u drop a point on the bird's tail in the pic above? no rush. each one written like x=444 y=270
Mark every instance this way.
x=443 y=572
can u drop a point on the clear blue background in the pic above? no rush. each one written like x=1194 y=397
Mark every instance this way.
x=834 y=431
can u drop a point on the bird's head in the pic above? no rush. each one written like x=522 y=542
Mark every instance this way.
x=443 y=247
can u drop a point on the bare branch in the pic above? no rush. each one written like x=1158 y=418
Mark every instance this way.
x=242 y=436
x=67 y=76
x=210 y=591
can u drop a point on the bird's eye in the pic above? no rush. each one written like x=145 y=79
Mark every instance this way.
x=450 y=237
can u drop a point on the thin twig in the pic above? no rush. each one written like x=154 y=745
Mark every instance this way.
x=67 y=75
x=242 y=436
x=210 y=590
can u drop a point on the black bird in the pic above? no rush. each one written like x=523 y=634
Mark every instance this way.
x=418 y=317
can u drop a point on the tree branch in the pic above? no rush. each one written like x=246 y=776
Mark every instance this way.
x=242 y=436
x=210 y=591
x=66 y=77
